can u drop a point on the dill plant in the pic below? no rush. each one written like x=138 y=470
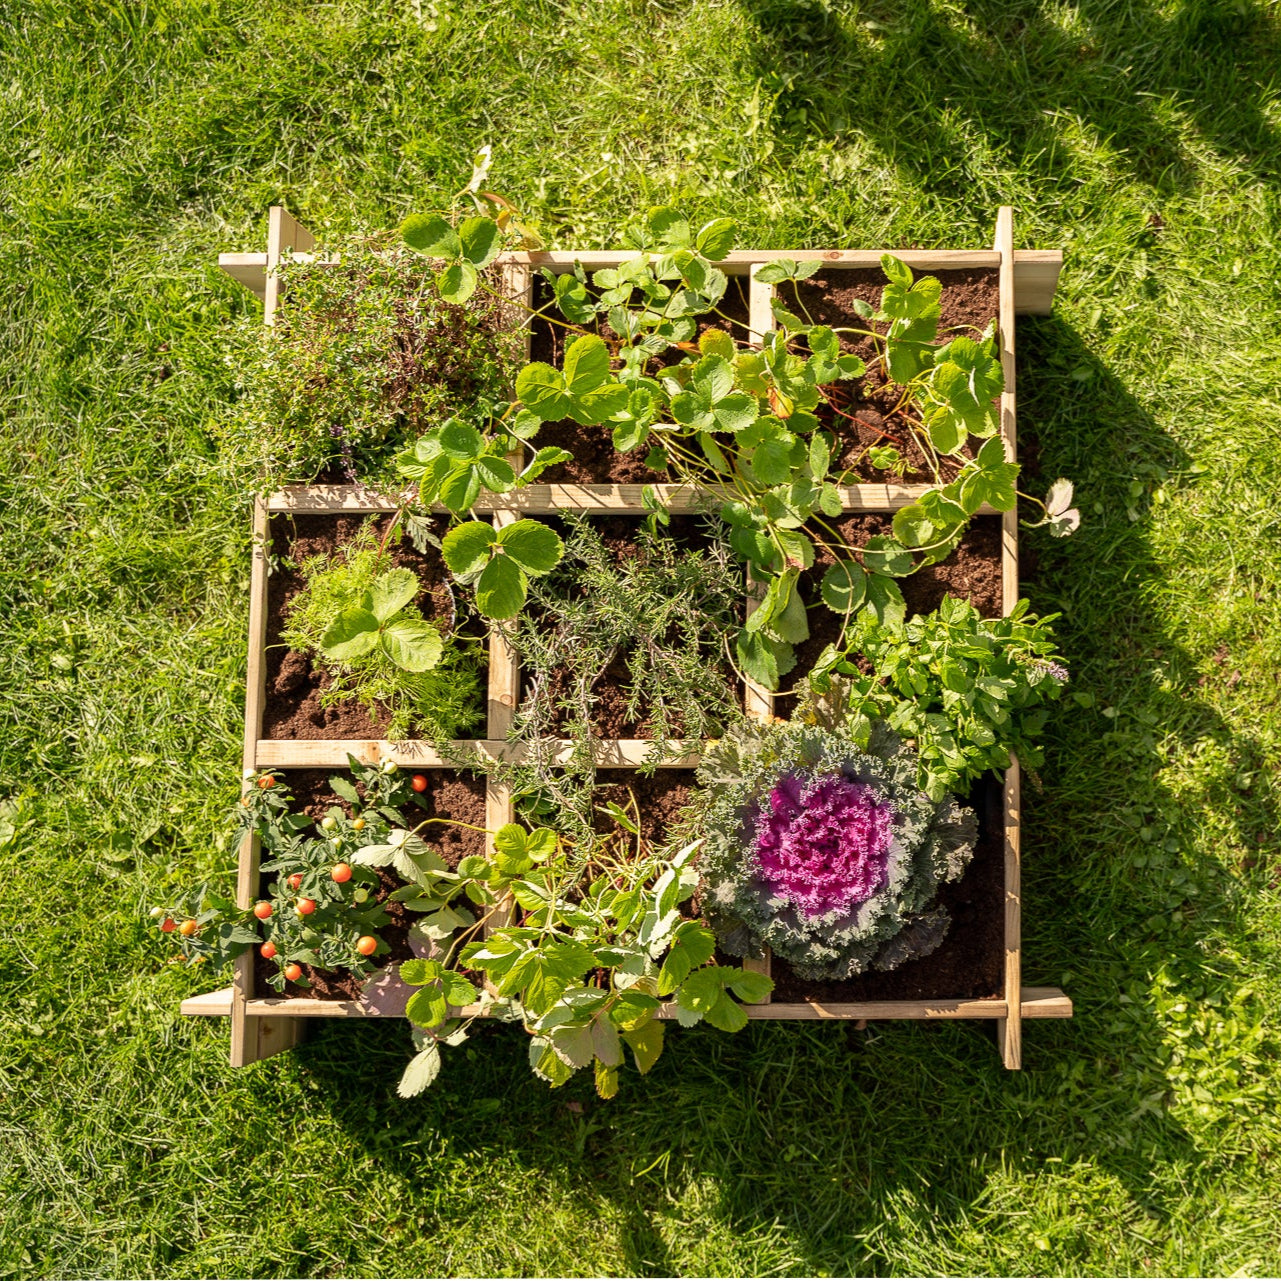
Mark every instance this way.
x=440 y=703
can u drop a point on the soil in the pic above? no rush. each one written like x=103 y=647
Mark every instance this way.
x=862 y=414
x=971 y=961
x=449 y=794
x=609 y=713
x=596 y=461
x=294 y=683
x=660 y=797
x=972 y=572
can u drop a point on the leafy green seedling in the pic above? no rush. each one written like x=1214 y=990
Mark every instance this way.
x=410 y=643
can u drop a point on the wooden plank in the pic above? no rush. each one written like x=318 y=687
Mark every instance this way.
x=760 y=315
x=549 y=499
x=1036 y=271
x=284 y=232
x=504 y=696
x=249 y=270
x=1009 y=1031
x=208 y=1005
x=1036 y=277
x=758 y=702
x=308 y=753
x=504 y=671
x=1037 y=1003
x=250 y=1041
x=939 y=1009
x=1045 y=1003
x=245 y=1045
x=741 y=261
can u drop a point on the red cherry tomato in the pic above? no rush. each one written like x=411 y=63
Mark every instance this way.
x=341 y=873
x=305 y=906
x=293 y=971
x=187 y=929
x=267 y=950
x=295 y=880
x=262 y=910
x=419 y=782
x=367 y=945
x=167 y=926
x=266 y=781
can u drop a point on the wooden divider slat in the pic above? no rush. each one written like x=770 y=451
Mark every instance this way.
x=1036 y=271
x=1009 y=1031
x=1037 y=1003
x=539 y=499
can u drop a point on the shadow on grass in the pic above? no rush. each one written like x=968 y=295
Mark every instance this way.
x=938 y=86
x=859 y=1146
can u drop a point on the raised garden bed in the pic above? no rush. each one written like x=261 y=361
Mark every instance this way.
x=976 y=974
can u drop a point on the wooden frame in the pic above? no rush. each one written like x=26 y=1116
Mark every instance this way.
x=262 y=1026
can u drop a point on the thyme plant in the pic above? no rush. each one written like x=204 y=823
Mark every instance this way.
x=660 y=622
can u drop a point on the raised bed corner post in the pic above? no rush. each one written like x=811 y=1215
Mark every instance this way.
x=255 y=1037
x=1009 y=1029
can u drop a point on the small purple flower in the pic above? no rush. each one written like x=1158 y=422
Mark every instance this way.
x=823 y=844
x=1044 y=667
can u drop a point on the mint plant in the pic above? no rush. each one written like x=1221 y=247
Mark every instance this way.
x=968 y=691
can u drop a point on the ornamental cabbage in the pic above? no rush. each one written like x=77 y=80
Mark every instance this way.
x=827 y=853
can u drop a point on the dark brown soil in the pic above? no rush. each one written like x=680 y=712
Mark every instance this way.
x=449 y=794
x=609 y=713
x=596 y=461
x=971 y=962
x=294 y=683
x=972 y=572
x=660 y=797
x=863 y=413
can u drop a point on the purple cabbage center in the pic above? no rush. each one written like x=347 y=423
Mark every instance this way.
x=823 y=843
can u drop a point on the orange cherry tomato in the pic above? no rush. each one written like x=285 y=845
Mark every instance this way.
x=262 y=910
x=367 y=945
x=293 y=971
x=167 y=926
x=266 y=781
x=267 y=950
x=419 y=782
x=305 y=906
x=187 y=929
x=295 y=880
x=341 y=873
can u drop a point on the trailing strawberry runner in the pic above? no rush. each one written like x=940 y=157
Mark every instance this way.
x=860 y=859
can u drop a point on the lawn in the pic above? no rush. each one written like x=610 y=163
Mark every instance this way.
x=1143 y=137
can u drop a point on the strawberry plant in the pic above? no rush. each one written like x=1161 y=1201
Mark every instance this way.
x=738 y=418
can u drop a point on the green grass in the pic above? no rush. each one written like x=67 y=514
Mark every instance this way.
x=1144 y=1136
